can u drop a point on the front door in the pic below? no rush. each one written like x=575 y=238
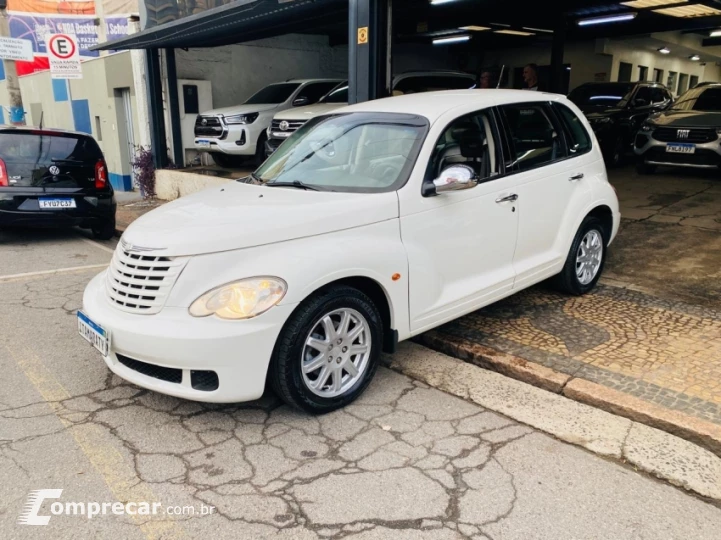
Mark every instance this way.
x=460 y=244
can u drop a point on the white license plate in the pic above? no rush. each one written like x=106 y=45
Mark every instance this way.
x=202 y=144
x=681 y=148
x=93 y=333
x=56 y=203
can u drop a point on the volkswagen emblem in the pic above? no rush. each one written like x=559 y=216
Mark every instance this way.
x=204 y=122
x=284 y=125
x=54 y=170
x=682 y=133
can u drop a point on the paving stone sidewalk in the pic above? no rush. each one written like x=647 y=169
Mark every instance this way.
x=662 y=351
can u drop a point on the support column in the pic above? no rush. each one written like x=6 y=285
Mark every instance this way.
x=557 y=49
x=174 y=104
x=155 y=102
x=369 y=49
x=15 y=98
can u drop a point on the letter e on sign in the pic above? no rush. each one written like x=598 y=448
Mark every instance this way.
x=63 y=56
x=363 y=35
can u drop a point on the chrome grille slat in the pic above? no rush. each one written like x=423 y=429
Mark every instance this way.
x=140 y=282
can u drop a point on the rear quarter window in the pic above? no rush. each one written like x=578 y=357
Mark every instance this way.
x=579 y=140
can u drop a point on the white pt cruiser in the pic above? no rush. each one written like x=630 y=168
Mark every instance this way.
x=366 y=227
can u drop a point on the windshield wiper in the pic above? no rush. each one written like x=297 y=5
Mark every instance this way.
x=250 y=179
x=295 y=183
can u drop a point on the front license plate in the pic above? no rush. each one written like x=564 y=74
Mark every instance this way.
x=681 y=148
x=202 y=144
x=56 y=203
x=93 y=333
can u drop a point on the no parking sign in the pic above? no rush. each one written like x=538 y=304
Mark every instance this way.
x=64 y=56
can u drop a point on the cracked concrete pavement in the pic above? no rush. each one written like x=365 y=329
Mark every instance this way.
x=405 y=461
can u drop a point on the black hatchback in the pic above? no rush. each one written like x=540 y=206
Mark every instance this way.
x=54 y=178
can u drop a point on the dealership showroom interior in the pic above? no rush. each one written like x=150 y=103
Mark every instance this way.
x=483 y=302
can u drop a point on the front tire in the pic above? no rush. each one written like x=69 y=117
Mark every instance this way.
x=227 y=161
x=586 y=259
x=260 y=155
x=328 y=351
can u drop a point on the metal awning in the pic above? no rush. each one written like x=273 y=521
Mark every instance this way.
x=243 y=20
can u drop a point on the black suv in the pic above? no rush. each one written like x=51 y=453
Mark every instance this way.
x=686 y=135
x=53 y=178
x=617 y=110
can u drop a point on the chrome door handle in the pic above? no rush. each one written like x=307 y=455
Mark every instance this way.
x=576 y=177
x=509 y=198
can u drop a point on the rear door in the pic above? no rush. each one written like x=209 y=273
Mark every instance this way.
x=49 y=162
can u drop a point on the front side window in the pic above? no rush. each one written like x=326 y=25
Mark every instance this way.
x=273 y=94
x=468 y=140
x=533 y=137
x=579 y=139
x=357 y=152
x=315 y=91
x=601 y=95
x=338 y=95
x=642 y=96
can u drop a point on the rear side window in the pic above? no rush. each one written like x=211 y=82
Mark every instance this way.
x=533 y=136
x=44 y=150
x=579 y=141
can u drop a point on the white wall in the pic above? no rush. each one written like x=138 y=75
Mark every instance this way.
x=238 y=71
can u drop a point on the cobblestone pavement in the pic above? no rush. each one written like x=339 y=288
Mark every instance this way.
x=663 y=351
x=404 y=462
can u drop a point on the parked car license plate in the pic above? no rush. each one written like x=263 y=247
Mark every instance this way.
x=201 y=143
x=56 y=203
x=681 y=148
x=93 y=333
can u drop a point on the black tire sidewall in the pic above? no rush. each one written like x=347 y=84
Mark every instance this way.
x=286 y=376
x=573 y=284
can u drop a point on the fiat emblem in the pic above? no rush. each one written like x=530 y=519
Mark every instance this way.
x=54 y=170
x=283 y=125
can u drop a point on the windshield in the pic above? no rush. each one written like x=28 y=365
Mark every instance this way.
x=338 y=95
x=704 y=98
x=275 y=93
x=356 y=152
x=602 y=95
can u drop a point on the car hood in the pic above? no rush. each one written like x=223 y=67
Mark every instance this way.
x=238 y=215
x=600 y=111
x=687 y=119
x=308 y=112
x=242 y=109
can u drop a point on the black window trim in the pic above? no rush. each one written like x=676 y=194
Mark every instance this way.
x=567 y=131
x=554 y=120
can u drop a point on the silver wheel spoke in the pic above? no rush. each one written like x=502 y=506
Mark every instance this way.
x=330 y=332
x=337 y=380
x=317 y=344
x=344 y=324
x=317 y=362
x=351 y=368
x=358 y=349
x=322 y=377
x=355 y=333
x=589 y=257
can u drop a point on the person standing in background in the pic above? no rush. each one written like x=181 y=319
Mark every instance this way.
x=530 y=77
x=486 y=80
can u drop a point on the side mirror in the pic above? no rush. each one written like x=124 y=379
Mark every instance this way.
x=300 y=101
x=453 y=178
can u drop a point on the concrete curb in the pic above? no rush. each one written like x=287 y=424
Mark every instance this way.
x=668 y=457
x=695 y=430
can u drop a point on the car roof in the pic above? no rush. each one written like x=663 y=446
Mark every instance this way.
x=47 y=131
x=432 y=105
x=302 y=81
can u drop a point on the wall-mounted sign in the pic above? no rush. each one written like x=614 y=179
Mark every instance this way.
x=16 y=49
x=64 y=57
x=363 y=35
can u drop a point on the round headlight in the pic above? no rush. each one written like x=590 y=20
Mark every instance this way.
x=241 y=299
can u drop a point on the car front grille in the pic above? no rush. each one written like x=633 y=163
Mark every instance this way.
x=209 y=126
x=691 y=135
x=172 y=375
x=276 y=126
x=140 y=283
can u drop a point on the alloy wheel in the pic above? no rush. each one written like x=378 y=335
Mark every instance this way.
x=589 y=257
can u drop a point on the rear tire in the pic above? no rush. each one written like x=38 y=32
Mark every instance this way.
x=260 y=155
x=320 y=380
x=644 y=168
x=105 y=231
x=226 y=161
x=585 y=260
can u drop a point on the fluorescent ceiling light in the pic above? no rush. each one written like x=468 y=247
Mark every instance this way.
x=651 y=3
x=514 y=32
x=452 y=39
x=621 y=17
x=664 y=50
x=695 y=10
x=544 y=30
x=436 y=2
x=475 y=28
x=715 y=33
x=694 y=57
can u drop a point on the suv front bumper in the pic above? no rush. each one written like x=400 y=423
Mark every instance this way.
x=238 y=140
x=706 y=155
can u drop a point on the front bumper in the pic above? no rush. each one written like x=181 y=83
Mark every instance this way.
x=653 y=152
x=237 y=351
x=239 y=140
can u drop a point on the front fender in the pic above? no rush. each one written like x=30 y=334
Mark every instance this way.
x=307 y=264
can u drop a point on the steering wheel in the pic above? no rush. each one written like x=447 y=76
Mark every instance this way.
x=387 y=172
